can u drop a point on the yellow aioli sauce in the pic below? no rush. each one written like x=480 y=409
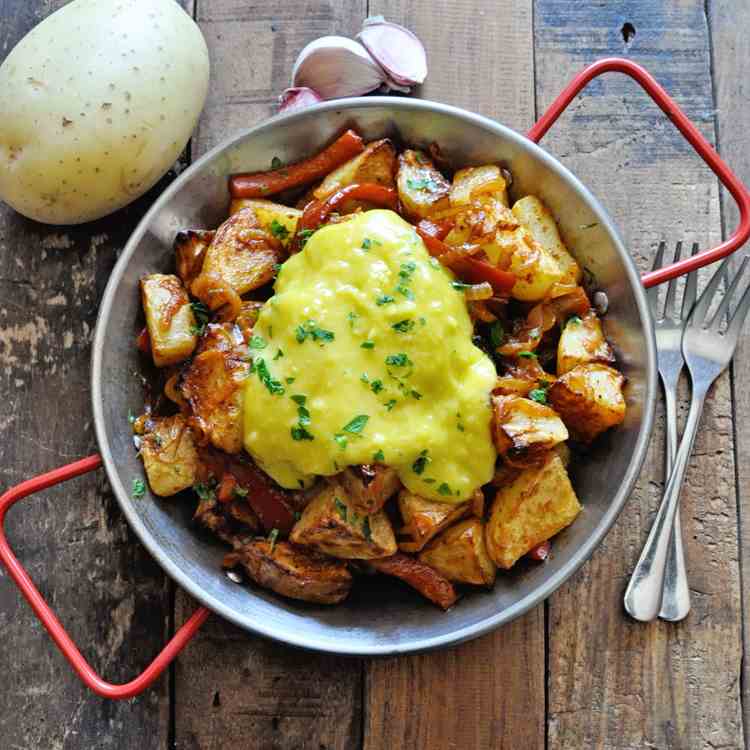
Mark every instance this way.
x=364 y=355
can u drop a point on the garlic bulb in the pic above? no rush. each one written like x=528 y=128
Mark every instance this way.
x=399 y=52
x=298 y=98
x=335 y=67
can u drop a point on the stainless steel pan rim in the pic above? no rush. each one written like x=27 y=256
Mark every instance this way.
x=343 y=645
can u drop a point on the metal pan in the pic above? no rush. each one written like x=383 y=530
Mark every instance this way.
x=381 y=617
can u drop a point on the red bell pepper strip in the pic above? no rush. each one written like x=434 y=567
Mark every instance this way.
x=541 y=552
x=316 y=212
x=143 y=341
x=269 y=501
x=263 y=184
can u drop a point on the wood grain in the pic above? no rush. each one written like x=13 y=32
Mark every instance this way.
x=479 y=58
x=614 y=683
x=730 y=56
x=232 y=689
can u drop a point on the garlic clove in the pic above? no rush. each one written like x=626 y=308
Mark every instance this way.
x=298 y=98
x=396 y=49
x=335 y=66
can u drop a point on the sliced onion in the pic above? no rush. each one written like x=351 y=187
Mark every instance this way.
x=298 y=98
x=477 y=292
x=397 y=50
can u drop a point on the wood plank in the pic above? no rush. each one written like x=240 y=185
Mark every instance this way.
x=730 y=53
x=614 y=683
x=459 y=698
x=233 y=690
x=107 y=591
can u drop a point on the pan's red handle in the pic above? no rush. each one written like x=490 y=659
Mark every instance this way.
x=47 y=616
x=692 y=135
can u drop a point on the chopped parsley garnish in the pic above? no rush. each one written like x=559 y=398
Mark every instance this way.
x=421 y=462
x=257 y=342
x=459 y=286
x=341 y=508
x=272 y=537
x=407 y=269
x=367 y=345
x=444 y=489
x=279 y=354
x=312 y=330
x=376 y=386
x=139 y=489
x=378 y=456
x=527 y=355
x=274 y=386
x=385 y=299
x=351 y=317
x=403 y=326
x=539 y=395
x=289 y=381
x=297 y=514
x=278 y=230
x=275 y=163
x=363 y=377
x=299 y=399
x=497 y=334
x=202 y=316
x=574 y=320
x=304 y=235
x=402 y=289
x=398 y=360
x=390 y=404
x=204 y=491
x=300 y=433
x=366 y=530
x=304 y=416
x=415 y=394
x=239 y=491
x=366 y=243
x=357 y=424
x=340 y=440
x=422 y=184
x=429 y=480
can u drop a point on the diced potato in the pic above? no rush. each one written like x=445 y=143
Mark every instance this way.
x=589 y=399
x=422 y=189
x=536 y=217
x=460 y=554
x=482 y=221
x=369 y=487
x=169 y=318
x=190 y=248
x=535 y=269
x=524 y=429
x=376 y=164
x=581 y=342
x=424 y=519
x=293 y=572
x=248 y=317
x=533 y=507
x=420 y=576
x=240 y=257
x=331 y=524
x=279 y=220
x=169 y=455
x=473 y=181
x=212 y=385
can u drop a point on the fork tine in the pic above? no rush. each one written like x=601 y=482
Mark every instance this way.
x=740 y=313
x=704 y=301
x=721 y=311
x=691 y=289
x=652 y=293
x=669 y=303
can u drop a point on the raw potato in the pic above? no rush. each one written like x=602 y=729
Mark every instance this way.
x=424 y=519
x=460 y=554
x=268 y=212
x=589 y=399
x=538 y=220
x=376 y=164
x=422 y=189
x=581 y=342
x=169 y=455
x=169 y=318
x=98 y=102
x=537 y=504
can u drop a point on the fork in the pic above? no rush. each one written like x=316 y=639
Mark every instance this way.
x=668 y=327
x=707 y=350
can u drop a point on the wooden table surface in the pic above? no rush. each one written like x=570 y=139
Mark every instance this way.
x=574 y=673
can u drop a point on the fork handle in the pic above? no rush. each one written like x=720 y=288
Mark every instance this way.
x=644 y=592
x=675 y=597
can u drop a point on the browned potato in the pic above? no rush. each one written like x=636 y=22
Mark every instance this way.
x=419 y=576
x=331 y=524
x=589 y=399
x=422 y=189
x=275 y=218
x=212 y=385
x=293 y=572
x=424 y=519
x=530 y=509
x=459 y=554
x=190 y=249
x=169 y=319
x=241 y=257
x=523 y=429
x=581 y=342
x=369 y=486
x=376 y=164
x=211 y=516
x=169 y=455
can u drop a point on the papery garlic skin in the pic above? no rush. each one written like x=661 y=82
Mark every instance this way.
x=397 y=50
x=298 y=98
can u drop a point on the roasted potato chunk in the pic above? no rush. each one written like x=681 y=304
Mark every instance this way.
x=331 y=524
x=420 y=576
x=523 y=429
x=275 y=218
x=369 y=486
x=169 y=319
x=530 y=509
x=581 y=342
x=293 y=572
x=169 y=455
x=589 y=399
x=536 y=270
x=190 y=248
x=460 y=554
x=474 y=181
x=376 y=164
x=424 y=519
x=241 y=256
x=538 y=220
x=212 y=385
x=422 y=189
